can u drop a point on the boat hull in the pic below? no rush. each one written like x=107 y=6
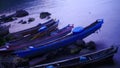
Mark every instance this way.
x=92 y=58
x=27 y=41
x=61 y=42
x=12 y=37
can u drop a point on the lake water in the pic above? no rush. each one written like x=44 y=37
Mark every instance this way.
x=79 y=13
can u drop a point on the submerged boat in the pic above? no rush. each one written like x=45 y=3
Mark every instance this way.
x=80 y=60
x=60 y=42
x=28 y=32
x=33 y=43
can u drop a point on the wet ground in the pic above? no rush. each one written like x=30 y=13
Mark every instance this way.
x=78 y=12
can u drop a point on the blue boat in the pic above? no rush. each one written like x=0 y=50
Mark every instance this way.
x=33 y=43
x=27 y=41
x=61 y=42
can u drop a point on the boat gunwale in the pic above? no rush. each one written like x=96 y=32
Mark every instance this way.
x=57 y=62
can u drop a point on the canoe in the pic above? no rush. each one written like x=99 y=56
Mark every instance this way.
x=27 y=32
x=80 y=60
x=33 y=43
x=61 y=42
x=44 y=31
x=30 y=40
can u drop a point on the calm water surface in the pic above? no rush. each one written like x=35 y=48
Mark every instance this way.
x=78 y=12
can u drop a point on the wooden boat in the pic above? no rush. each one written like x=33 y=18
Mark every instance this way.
x=60 y=42
x=43 y=31
x=28 y=32
x=33 y=43
x=59 y=33
x=81 y=60
x=30 y=40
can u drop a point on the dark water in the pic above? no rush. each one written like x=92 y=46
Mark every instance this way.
x=78 y=12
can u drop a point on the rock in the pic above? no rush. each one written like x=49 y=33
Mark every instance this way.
x=2 y=41
x=2 y=16
x=80 y=43
x=31 y=20
x=91 y=45
x=21 y=13
x=75 y=50
x=22 y=22
x=44 y=15
x=12 y=17
x=7 y=19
